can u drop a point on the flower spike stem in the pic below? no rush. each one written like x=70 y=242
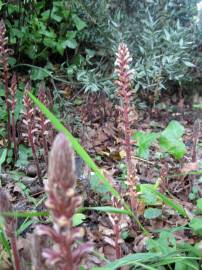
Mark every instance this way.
x=31 y=129
x=43 y=123
x=13 y=104
x=124 y=83
x=4 y=53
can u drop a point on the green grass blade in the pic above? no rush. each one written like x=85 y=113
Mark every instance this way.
x=24 y=226
x=75 y=144
x=3 y=158
x=25 y=214
x=131 y=259
x=169 y=202
x=4 y=242
x=107 y=209
x=84 y=155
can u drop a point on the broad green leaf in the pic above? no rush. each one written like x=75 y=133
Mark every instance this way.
x=38 y=74
x=146 y=195
x=196 y=225
x=152 y=213
x=56 y=17
x=171 y=140
x=79 y=23
x=70 y=43
x=144 y=141
x=78 y=219
x=199 y=204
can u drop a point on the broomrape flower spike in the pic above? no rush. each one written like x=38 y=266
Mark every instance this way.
x=42 y=124
x=29 y=115
x=13 y=90
x=4 y=53
x=62 y=202
x=124 y=84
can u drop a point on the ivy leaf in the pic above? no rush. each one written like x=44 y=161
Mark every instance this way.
x=171 y=140
x=38 y=74
x=71 y=43
x=79 y=23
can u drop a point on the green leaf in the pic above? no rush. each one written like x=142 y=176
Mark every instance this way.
x=196 y=225
x=199 y=204
x=78 y=219
x=56 y=17
x=171 y=140
x=70 y=43
x=4 y=242
x=146 y=195
x=38 y=74
x=24 y=226
x=169 y=202
x=107 y=209
x=189 y=64
x=152 y=213
x=80 y=24
x=144 y=141
x=132 y=259
x=23 y=214
x=3 y=158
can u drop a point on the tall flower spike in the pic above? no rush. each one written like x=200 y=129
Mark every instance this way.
x=62 y=202
x=13 y=100
x=124 y=83
x=30 y=124
x=10 y=226
x=43 y=124
x=4 y=53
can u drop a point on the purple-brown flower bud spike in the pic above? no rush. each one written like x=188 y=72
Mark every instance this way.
x=30 y=124
x=13 y=101
x=124 y=83
x=42 y=123
x=4 y=53
x=62 y=202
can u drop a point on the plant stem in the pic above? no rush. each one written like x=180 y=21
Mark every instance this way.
x=16 y=258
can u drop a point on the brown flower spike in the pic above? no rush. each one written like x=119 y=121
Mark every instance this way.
x=124 y=82
x=4 y=54
x=29 y=121
x=62 y=202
